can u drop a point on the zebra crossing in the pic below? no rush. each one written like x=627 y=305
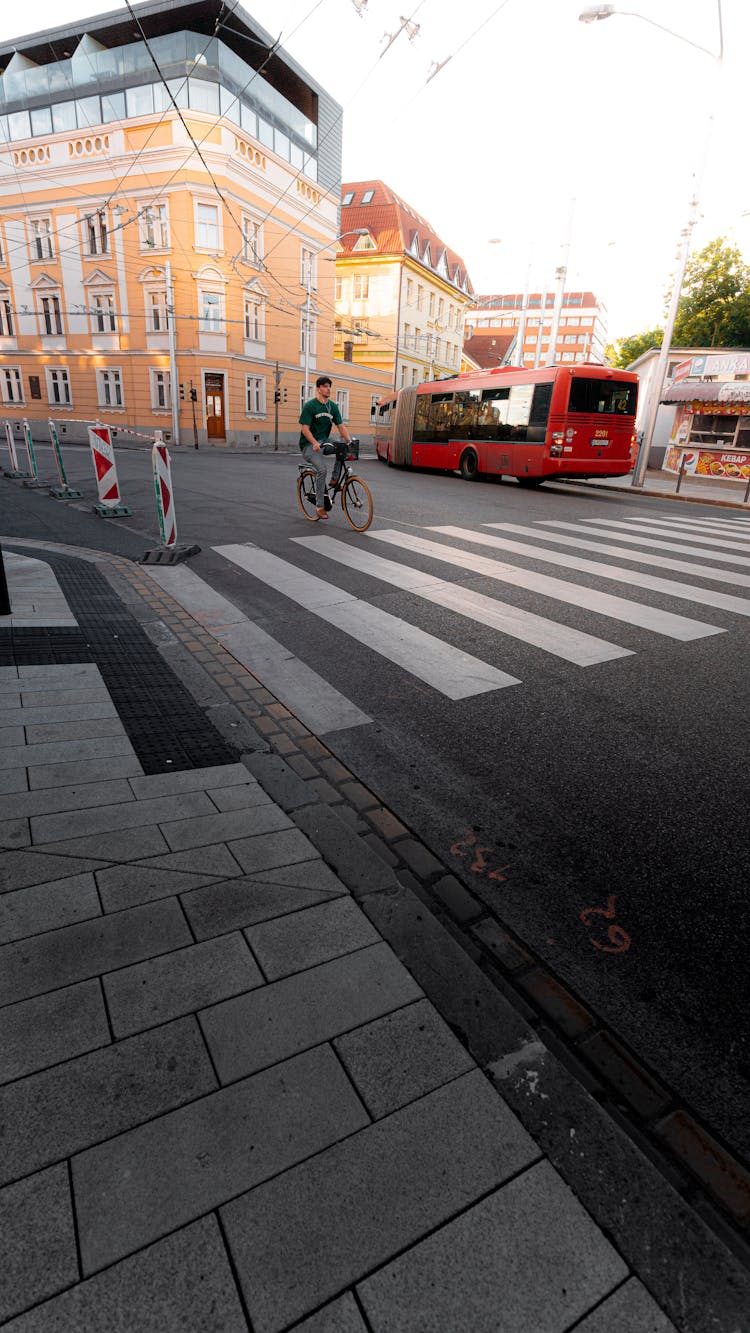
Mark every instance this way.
x=640 y=552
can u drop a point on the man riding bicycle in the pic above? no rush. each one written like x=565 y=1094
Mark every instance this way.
x=316 y=419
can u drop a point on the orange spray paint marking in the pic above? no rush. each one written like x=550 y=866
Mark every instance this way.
x=619 y=938
x=483 y=855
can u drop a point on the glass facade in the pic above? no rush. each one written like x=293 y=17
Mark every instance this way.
x=83 y=92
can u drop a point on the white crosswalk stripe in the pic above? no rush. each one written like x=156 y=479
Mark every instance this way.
x=640 y=538
x=453 y=672
x=728 y=527
x=570 y=644
x=606 y=604
x=664 y=529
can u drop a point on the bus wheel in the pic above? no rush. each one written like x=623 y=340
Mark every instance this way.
x=469 y=466
x=531 y=483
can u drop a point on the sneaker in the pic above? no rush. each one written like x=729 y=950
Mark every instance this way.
x=321 y=513
x=328 y=502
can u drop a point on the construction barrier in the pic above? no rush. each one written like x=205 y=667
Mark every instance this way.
x=100 y=442
x=30 y=450
x=164 y=492
x=11 y=447
x=63 y=491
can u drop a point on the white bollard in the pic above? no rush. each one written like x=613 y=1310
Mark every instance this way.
x=164 y=492
x=11 y=447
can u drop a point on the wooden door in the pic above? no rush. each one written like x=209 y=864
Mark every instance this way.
x=214 y=389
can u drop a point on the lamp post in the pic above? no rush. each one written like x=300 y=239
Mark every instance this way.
x=592 y=14
x=312 y=254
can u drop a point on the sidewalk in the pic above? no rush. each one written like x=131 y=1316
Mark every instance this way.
x=233 y=1093
x=663 y=486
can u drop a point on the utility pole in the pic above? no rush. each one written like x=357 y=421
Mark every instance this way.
x=172 y=328
x=276 y=401
x=193 y=399
x=560 y=274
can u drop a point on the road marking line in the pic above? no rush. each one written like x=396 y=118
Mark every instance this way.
x=570 y=644
x=635 y=538
x=664 y=530
x=618 y=608
x=449 y=670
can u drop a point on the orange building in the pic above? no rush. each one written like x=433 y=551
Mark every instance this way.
x=581 y=332
x=167 y=189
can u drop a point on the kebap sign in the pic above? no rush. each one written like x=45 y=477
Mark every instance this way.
x=708 y=463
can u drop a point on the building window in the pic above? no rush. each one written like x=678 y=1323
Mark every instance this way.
x=51 y=315
x=361 y=289
x=252 y=241
x=154 y=227
x=368 y=196
x=420 y=298
x=409 y=292
x=12 y=385
x=41 y=238
x=308 y=269
x=255 y=395
x=207 y=226
x=161 y=397
x=103 y=317
x=58 y=388
x=96 y=236
x=403 y=376
x=6 y=319
x=337 y=289
x=254 y=319
x=342 y=403
x=109 y=388
x=347 y=199
x=374 y=401
x=2 y=249
x=431 y=310
x=415 y=376
x=211 y=312
x=313 y=336
x=157 y=316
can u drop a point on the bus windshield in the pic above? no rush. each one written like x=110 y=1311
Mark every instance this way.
x=602 y=397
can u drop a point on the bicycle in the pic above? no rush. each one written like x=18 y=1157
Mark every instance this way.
x=356 y=500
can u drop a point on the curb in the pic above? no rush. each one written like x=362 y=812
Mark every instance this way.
x=646 y=494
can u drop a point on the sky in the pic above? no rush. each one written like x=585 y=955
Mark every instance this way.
x=539 y=138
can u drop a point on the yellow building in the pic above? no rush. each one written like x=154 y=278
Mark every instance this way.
x=401 y=293
x=168 y=190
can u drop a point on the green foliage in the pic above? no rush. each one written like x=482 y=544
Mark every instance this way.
x=624 y=350
x=714 y=309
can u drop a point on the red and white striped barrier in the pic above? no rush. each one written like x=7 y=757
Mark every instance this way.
x=103 y=454
x=164 y=491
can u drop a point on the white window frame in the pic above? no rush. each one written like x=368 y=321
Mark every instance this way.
x=255 y=395
x=160 y=381
x=313 y=332
x=203 y=237
x=11 y=383
x=337 y=289
x=7 y=327
x=307 y=256
x=42 y=242
x=361 y=287
x=342 y=403
x=157 y=310
x=254 y=317
x=50 y=315
x=153 y=226
x=103 y=312
x=210 y=298
x=58 y=386
x=2 y=248
x=252 y=241
x=96 y=234
x=374 y=403
x=109 y=391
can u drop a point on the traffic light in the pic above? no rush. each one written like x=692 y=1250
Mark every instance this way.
x=182 y=392
x=277 y=396
x=284 y=392
x=194 y=395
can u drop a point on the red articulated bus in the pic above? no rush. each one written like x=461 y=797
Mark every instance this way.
x=553 y=423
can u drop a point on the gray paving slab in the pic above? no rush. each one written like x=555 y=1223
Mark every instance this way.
x=58 y=712
x=59 y=752
x=305 y=1237
x=293 y=943
x=363 y=872
x=178 y=983
x=277 y=849
x=629 y=1310
x=84 y=770
x=483 y=1271
x=340 y=1316
x=129 y=814
x=121 y=886
x=116 y=845
x=182 y=1285
x=43 y=907
x=191 y=779
x=233 y=904
x=215 y=859
x=238 y=797
x=303 y=875
x=9 y=698
x=48 y=1029
x=142 y=1184
x=8 y=679
x=89 y=948
x=13 y=780
x=14 y=833
x=67 y=675
x=186 y=833
x=47 y=732
x=60 y=1111
x=13 y=733
x=402 y=1056
x=38 y=698
x=50 y=800
x=254 y=1030
x=37 y=1240
x=18 y=869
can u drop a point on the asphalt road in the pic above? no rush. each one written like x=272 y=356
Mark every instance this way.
x=619 y=786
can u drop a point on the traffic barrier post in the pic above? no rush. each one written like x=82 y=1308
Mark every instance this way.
x=164 y=493
x=14 y=468
x=63 y=491
x=33 y=471
x=103 y=454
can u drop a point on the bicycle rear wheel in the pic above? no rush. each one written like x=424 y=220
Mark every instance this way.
x=357 y=504
x=306 y=495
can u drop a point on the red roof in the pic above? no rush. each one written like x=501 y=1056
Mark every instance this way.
x=397 y=229
x=497 y=302
x=488 y=348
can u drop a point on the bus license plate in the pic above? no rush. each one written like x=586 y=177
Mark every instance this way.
x=600 y=444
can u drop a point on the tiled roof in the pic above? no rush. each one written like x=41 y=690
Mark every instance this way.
x=395 y=227
x=496 y=301
x=488 y=348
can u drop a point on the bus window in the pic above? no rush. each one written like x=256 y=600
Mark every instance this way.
x=384 y=414
x=465 y=413
x=536 y=432
x=605 y=397
x=519 y=406
x=433 y=417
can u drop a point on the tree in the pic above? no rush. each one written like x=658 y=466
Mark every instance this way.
x=624 y=350
x=714 y=309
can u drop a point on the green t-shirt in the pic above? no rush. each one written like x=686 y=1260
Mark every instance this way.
x=320 y=417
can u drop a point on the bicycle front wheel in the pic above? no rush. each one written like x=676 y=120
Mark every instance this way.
x=306 y=495
x=357 y=504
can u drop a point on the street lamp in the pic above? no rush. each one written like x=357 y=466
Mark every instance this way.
x=172 y=331
x=311 y=255
x=590 y=15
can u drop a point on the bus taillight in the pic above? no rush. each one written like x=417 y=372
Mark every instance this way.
x=556 y=447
